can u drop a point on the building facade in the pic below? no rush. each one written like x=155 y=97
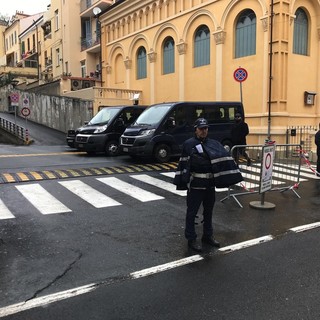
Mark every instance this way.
x=174 y=50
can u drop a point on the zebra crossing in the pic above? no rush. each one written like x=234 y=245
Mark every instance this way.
x=47 y=204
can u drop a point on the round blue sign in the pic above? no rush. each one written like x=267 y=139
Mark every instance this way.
x=240 y=74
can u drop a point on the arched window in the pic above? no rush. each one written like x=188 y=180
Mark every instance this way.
x=300 y=33
x=202 y=46
x=141 y=63
x=245 y=44
x=168 y=56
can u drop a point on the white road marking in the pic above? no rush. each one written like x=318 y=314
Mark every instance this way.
x=5 y=213
x=246 y=244
x=89 y=194
x=42 y=199
x=164 y=267
x=306 y=227
x=159 y=183
x=133 y=191
x=45 y=300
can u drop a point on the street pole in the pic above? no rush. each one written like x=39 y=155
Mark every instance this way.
x=270 y=71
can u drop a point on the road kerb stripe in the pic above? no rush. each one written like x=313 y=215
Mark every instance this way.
x=45 y=300
x=306 y=227
x=246 y=244
x=164 y=267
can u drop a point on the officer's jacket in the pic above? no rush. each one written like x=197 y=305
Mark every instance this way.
x=205 y=164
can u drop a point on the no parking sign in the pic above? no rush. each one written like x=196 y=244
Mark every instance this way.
x=240 y=74
x=267 y=166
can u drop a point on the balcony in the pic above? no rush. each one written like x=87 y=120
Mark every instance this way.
x=87 y=43
x=48 y=63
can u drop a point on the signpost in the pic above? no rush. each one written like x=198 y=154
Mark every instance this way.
x=14 y=102
x=240 y=75
x=25 y=111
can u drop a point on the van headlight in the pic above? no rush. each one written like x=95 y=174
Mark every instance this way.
x=101 y=129
x=148 y=132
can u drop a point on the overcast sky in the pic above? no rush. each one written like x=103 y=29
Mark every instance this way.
x=9 y=7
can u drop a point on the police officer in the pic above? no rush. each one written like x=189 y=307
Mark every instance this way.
x=199 y=170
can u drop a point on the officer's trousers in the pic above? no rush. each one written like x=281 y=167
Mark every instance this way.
x=196 y=197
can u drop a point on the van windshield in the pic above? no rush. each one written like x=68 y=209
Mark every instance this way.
x=152 y=115
x=104 y=116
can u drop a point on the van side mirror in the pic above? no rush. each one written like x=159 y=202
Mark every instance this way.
x=85 y=122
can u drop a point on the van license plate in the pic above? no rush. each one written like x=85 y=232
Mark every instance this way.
x=125 y=149
x=80 y=145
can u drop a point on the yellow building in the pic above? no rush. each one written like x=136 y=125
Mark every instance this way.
x=174 y=50
x=3 y=26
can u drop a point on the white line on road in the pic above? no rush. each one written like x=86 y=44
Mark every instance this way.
x=246 y=244
x=165 y=267
x=5 y=212
x=45 y=300
x=159 y=183
x=306 y=227
x=129 y=189
x=89 y=194
x=42 y=199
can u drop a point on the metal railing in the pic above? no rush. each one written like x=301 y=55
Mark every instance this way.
x=13 y=128
x=303 y=135
x=286 y=169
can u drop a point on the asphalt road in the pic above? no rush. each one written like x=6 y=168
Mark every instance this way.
x=45 y=258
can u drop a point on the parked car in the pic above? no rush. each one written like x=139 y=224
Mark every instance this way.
x=161 y=130
x=103 y=131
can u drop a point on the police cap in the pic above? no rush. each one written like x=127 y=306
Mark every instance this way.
x=201 y=123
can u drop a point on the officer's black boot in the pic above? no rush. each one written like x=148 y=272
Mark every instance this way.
x=193 y=245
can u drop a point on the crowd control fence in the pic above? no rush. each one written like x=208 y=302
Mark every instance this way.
x=286 y=169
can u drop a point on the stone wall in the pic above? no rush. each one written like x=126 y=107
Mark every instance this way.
x=60 y=113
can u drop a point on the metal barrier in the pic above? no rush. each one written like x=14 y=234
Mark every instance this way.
x=285 y=173
x=303 y=135
x=13 y=128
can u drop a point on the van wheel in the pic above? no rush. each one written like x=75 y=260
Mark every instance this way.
x=112 y=148
x=162 y=153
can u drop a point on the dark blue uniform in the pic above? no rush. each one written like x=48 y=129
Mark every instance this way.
x=204 y=165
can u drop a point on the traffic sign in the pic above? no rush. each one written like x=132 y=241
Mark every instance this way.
x=240 y=74
x=267 y=166
x=25 y=111
x=14 y=98
x=26 y=102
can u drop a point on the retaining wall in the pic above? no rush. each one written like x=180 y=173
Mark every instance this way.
x=60 y=113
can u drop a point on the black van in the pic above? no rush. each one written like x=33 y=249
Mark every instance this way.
x=161 y=130
x=103 y=131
